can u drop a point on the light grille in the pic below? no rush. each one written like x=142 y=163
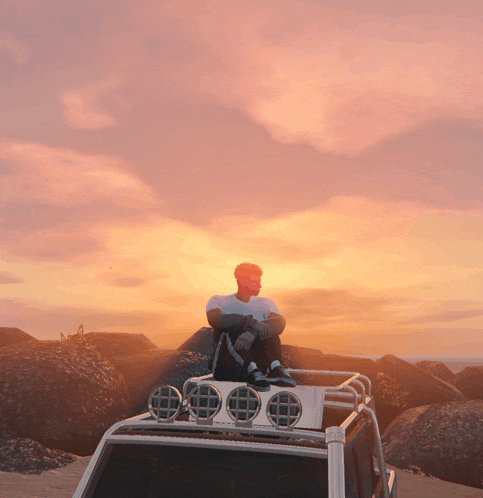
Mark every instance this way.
x=284 y=409
x=204 y=402
x=164 y=403
x=243 y=404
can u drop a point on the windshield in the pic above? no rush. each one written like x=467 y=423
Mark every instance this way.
x=155 y=471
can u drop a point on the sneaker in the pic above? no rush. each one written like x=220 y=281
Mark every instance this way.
x=280 y=377
x=258 y=381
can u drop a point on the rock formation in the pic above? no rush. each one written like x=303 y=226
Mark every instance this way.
x=312 y=359
x=470 y=382
x=110 y=344
x=14 y=336
x=201 y=342
x=438 y=369
x=184 y=365
x=29 y=457
x=398 y=385
x=144 y=366
x=64 y=397
x=142 y=372
x=442 y=440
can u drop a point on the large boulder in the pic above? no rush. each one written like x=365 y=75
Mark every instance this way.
x=142 y=372
x=145 y=371
x=110 y=344
x=182 y=366
x=301 y=358
x=399 y=385
x=201 y=341
x=442 y=440
x=63 y=396
x=10 y=336
x=470 y=382
x=438 y=369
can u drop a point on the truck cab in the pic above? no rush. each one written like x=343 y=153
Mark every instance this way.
x=224 y=439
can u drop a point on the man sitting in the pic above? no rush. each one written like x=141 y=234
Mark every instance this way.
x=246 y=334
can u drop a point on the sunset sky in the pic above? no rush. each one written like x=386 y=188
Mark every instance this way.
x=148 y=147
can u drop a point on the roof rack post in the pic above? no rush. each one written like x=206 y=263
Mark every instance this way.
x=379 y=452
x=335 y=439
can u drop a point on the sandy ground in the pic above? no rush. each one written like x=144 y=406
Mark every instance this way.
x=416 y=486
x=62 y=482
x=57 y=483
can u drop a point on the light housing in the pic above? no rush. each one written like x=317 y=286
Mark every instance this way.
x=204 y=402
x=284 y=410
x=243 y=404
x=164 y=403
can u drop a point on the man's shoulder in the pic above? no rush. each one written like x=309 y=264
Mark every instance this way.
x=217 y=297
x=262 y=299
x=265 y=301
x=217 y=301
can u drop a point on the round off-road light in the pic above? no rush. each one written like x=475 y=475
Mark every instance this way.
x=284 y=409
x=164 y=403
x=204 y=402
x=243 y=404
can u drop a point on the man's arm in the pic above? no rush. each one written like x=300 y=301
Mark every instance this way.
x=276 y=323
x=219 y=320
x=222 y=321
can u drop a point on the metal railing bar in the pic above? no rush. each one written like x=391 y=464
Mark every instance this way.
x=225 y=428
x=333 y=372
x=219 y=444
x=363 y=389
x=379 y=452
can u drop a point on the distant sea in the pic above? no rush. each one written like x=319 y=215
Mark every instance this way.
x=454 y=363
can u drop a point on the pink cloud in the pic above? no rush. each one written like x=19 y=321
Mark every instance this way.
x=173 y=301
x=61 y=244
x=14 y=47
x=86 y=107
x=10 y=278
x=339 y=81
x=447 y=316
x=65 y=177
x=133 y=278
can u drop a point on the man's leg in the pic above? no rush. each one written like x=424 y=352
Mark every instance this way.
x=238 y=365
x=268 y=355
x=225 y=366
x=266 y=352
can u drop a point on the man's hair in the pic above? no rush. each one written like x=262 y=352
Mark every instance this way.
x=247 y=269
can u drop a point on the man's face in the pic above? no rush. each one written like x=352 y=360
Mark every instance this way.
x=250 y=284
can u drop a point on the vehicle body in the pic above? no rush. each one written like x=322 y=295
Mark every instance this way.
x=224 y=439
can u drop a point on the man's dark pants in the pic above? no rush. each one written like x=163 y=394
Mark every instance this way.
x=233 y=367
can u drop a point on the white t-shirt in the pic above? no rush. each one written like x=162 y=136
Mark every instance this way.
x=259 y=307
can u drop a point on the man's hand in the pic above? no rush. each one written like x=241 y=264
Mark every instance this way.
x=263 y=330
x=244 y=341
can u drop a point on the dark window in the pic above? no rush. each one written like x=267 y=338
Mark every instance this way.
x=360 y=477
x=155 y=471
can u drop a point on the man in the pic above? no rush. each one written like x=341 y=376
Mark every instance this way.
x=246 y=334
